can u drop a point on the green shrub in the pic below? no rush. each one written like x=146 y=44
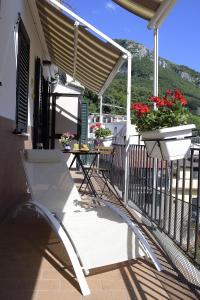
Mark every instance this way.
x=102 y=132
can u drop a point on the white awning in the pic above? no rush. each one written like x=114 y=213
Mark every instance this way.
x=81 y=54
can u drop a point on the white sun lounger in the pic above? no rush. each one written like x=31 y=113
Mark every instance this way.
x=94 y=236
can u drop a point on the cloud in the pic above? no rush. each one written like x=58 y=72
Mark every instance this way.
x=110 y=6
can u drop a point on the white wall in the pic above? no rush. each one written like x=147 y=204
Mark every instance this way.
x=9 y=15
x=113 y=125
x=67 y=110
x=134 y=138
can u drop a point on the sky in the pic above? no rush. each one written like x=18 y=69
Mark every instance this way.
x=179 y=34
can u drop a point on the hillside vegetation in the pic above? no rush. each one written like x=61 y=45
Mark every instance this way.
x=170 y=76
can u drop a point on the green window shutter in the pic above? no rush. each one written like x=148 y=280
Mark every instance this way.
x=22 y=85
x=84 y=122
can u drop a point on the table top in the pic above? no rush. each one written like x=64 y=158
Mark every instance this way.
x=82 y=152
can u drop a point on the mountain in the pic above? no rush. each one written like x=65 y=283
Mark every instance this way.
x=140 y=52
x=171 y=76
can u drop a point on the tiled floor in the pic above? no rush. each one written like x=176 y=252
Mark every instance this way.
x=34 y=266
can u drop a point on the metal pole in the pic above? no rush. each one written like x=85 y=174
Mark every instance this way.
x=155 y=89
x=128 y=125
x=100 y=109
x=155 y=93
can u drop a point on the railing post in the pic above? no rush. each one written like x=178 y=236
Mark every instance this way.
x=101 y=109
x=128 y=124
x=155 y=92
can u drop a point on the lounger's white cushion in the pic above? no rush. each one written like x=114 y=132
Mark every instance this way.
x=42 y=156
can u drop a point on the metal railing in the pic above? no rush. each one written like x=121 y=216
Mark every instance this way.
x=167 y=193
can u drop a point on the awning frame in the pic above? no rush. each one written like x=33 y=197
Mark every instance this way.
x=88 y=25
x=120 y=62
x=76 y=25
x=75 y=19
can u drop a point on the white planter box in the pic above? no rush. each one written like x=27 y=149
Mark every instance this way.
x=107 y=142
x=168 y=143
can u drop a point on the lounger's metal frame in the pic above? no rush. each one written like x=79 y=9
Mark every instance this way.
x=57 y=226
x=137 y=232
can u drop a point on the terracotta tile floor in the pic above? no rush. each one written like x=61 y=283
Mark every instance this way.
x=34 y=266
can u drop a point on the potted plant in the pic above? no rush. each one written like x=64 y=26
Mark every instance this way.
x=65 y=140
x=102 y=135
x=162 y=122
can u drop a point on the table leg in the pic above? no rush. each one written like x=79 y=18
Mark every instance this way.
x=86 y=175
x=72 y=162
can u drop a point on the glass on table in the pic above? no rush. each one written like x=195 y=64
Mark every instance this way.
x=76 y=147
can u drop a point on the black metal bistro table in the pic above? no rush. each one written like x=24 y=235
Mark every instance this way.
x=86 y=171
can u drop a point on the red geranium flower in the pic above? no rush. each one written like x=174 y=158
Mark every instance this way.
x=168 y=93
x=161 y=103
x=140 y=108
x=136 y=106
x=155 y=99
x=183 y=101
x=168 y=103
x=96 y=125
x=144 y=109
x=179 y=96
x=171 y=106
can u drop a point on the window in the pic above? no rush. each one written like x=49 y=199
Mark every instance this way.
x=22 y=79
